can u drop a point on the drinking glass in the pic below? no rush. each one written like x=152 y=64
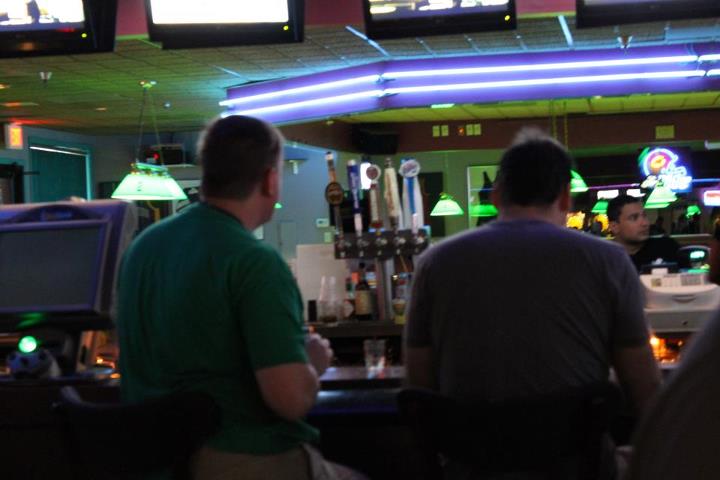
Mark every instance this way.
x=374 y=350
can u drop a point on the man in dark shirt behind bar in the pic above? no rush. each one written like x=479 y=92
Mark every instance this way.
x=523 y=305
x=631 y=229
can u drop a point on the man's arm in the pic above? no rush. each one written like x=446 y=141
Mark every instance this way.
x=417 y=338
x=638 y=374
x=419 y=368
x=290 y=389
x=631 y=355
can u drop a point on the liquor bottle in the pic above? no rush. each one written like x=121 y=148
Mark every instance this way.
x=363 y=297
x=349 y=302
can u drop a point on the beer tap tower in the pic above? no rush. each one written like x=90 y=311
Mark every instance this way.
x=379 y=243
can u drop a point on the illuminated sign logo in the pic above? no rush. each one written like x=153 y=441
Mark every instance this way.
x=711 y=198
x=607 y=194
x=664 y=164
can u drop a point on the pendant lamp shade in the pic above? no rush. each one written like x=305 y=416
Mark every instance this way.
x=483 y=210
x=148 y=182
x=660 y=197
x=577 y=184
x=600 y=207
x=446 y=206
x=692 y=210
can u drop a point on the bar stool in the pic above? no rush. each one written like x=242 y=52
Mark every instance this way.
x=557 y=436
x=124 y=441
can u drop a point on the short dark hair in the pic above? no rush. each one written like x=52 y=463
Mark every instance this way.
x=534 y=171
x=616 y=205
x=235 y=152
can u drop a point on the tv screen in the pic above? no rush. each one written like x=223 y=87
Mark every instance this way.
x=56 y=27
x=217 y=23
x=29 y=16
x=597 y=13
x=52 y=266
x=395 y=19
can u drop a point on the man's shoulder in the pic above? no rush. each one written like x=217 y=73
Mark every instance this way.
x=530 y=232
x=551 y=240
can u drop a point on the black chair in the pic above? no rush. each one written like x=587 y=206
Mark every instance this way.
x=557 y=436
x=127 y=441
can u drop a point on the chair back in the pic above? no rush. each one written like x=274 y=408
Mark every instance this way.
x=541 y=433
x=121 y=441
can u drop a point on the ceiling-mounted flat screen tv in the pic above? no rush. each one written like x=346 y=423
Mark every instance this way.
x=598 y=13
x=56 y=27
x=398 y=19
x=221 y=23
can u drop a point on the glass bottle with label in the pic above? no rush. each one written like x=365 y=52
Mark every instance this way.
x=363 y=297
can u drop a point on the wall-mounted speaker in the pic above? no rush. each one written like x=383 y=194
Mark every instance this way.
x=165 y=154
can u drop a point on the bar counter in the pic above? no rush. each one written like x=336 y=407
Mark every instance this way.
x=355 y=413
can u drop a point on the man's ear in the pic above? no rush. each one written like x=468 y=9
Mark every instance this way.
x=565 y=199
x=270 y=184
x=613 y=226
x=495 y=196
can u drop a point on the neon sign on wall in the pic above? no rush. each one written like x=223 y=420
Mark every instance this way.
x=662 y=164
x=711 y=198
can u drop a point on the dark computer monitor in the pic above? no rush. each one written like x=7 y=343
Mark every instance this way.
x=58 y=263
x=53 y=266
x=392 y=19
x=214 y=23
x=597 y=13
x=57 y=27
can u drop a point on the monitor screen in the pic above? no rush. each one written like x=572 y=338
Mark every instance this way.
x=56 y=27
x=397 y=19
x=43 y=245
x=167 y=12
x=596 y=13
x=41 y=15
x=52 y=266
x=211 y=23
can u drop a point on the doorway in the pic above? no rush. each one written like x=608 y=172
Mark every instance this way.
x=58 y=173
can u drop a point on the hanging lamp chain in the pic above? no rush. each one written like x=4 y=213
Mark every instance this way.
x=140 y=125
x=147 y=98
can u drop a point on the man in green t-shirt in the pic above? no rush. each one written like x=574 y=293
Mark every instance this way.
x=204 y=306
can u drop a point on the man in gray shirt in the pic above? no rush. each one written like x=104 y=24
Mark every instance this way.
x=525 y=306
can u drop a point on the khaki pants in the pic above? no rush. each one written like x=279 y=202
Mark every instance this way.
x=300 y=463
